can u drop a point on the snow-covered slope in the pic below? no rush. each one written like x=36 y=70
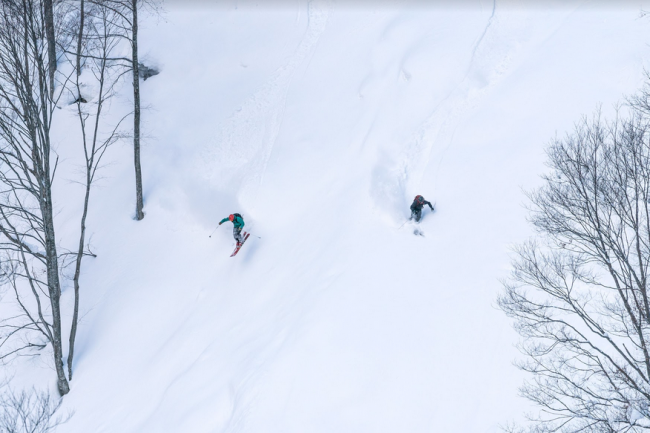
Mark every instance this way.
x=320 y=123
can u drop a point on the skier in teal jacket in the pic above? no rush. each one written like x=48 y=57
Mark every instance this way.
x=238 y=224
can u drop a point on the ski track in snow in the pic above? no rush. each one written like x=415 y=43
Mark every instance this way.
x=246 y=140
x=484 y=66
x=480 y=39
x=491 y=57
x=491 y=60
x=487 y=68
x=437 y=125
x=217 y=345
x=245 y=146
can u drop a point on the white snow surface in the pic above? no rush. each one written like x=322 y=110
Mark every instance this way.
x=320 y=122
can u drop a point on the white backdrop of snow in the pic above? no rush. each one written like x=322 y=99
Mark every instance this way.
x=319 y=123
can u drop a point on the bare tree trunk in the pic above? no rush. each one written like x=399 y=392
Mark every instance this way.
x=82 y=238
x=47 y=210
x=77 y=274
x=51 y=42
x=54 y=287
x=104 y=37
x=45 y=202
x=139 y=214
x=82 y=17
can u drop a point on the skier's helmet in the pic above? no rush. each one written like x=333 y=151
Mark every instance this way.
x=418 y=198
x=231 y=217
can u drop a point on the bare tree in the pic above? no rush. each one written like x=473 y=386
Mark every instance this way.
x=30 y=412
x=102 y=38
x=579 y=292
x=139 y=203
x=126 y=14
x=27 y=170
x=31 y=261
x=640 y=101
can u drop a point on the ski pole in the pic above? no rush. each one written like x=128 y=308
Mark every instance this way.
x=213 y=232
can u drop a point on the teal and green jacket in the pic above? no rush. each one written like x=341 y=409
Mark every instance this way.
x=238 y=221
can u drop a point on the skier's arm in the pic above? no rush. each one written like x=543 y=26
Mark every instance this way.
x=429 y=204
x=223 y=220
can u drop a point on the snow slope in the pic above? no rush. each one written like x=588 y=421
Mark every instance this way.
x=319 y=123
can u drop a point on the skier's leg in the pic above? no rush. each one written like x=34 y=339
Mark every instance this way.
x=418 y=215
x=236 y=232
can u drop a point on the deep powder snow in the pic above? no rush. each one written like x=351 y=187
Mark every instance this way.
x=320 y=123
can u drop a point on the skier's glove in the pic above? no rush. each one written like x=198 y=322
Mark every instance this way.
x=220 y=223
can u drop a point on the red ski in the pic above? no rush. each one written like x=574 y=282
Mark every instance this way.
x=234 y=253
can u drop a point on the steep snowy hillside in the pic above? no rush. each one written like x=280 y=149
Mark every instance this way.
x=320 y=123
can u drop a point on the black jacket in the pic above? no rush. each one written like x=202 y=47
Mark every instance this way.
x=419 y=203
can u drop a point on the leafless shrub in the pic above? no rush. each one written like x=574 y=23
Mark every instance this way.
x=30 y=412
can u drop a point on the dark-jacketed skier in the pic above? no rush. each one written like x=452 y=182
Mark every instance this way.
x=238 y=224
x=416 y=207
